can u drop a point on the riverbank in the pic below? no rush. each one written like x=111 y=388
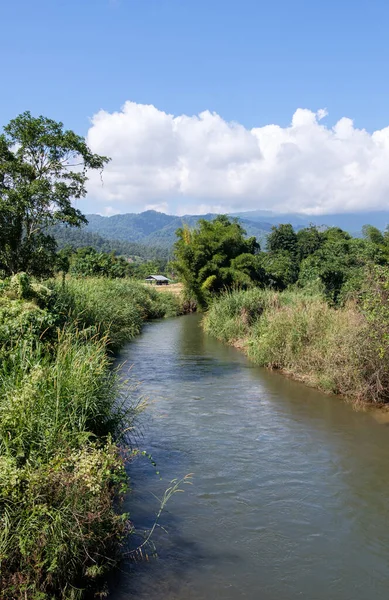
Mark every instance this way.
x=63 y=430
x=337 y=350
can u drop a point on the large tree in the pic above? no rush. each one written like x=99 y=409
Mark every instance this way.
x=43 y=168
x=282 y=239
x=215 y=256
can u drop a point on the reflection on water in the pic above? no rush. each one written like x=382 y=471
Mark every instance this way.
x=290 y=488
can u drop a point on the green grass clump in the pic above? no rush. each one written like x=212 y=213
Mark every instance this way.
x=332 y=349
x=116 y=308
x=63 y=422
x=232 y=315
x=59 y=400
x=60 y=469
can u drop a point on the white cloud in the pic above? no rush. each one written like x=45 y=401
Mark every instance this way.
x=161 y=207
x=201 y=163
x=108 y=211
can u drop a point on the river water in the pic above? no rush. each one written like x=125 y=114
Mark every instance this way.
x=290 y=487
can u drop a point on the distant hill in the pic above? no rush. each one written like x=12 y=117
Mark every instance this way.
x=81 y=238
x=129 y=227
x=351 y=222
x=157 y=229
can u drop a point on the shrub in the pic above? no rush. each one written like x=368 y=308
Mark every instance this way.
x=59 y=530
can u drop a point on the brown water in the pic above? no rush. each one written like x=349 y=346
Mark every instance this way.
x=290 y=490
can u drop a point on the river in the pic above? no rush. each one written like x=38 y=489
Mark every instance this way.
x=290 y=487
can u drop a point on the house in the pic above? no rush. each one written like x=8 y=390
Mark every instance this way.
x=157 y=280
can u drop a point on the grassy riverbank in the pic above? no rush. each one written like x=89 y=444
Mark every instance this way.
x=338 y=350
x=63 y=428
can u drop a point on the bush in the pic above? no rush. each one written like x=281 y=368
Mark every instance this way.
x=59 y=469
x=59 y=530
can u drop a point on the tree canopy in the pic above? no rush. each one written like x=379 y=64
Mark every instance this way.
x=327 y=256
x=215 y=256
x=43 y=168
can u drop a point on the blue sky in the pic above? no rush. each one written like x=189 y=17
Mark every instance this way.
x=249 y=61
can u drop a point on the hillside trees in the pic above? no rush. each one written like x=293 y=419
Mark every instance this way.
x=43 y=168
x=80 y=238
x=87 y=262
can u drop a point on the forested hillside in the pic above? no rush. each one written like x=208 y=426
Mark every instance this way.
x=153 y=228
x=82 y=238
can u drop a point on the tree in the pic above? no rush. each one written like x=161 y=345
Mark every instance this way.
x=281 y=268
x=336 y=235
x=88 y=262
x=208 y=258
x=309 y=239
x=43 y=168
x=281 y=261
x=340 y=264
x=149 y=267
x=372 y=234
x=282 y=238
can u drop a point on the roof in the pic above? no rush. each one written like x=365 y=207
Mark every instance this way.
x=158 y=277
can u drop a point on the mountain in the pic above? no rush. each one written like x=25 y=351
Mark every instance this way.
x=129 y=227
x=152 y=228
x=351 y=222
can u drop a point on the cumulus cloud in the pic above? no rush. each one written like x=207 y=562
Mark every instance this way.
x=202 y=163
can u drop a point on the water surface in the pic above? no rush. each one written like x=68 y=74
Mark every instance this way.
x=290 y=488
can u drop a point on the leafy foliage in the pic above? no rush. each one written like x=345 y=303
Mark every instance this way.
x=282 y=238
x=326 y=259
x=42 y=169
x=326 y=320
x=89 y=262
x=215 y=256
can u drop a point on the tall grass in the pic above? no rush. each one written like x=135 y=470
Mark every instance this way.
x=113 y=308
x=331 y=349
x=49 y=402
x=62 y=424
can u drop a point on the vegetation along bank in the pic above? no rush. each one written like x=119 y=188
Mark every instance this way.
x=314 y=304
x=338 y=349
x=64 y=430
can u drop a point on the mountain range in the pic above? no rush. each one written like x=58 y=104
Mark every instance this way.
x=351 y=222
x=157 y=229
x=153 y=228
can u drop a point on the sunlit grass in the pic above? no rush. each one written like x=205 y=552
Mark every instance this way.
x=332 y=349
x=63 y=420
